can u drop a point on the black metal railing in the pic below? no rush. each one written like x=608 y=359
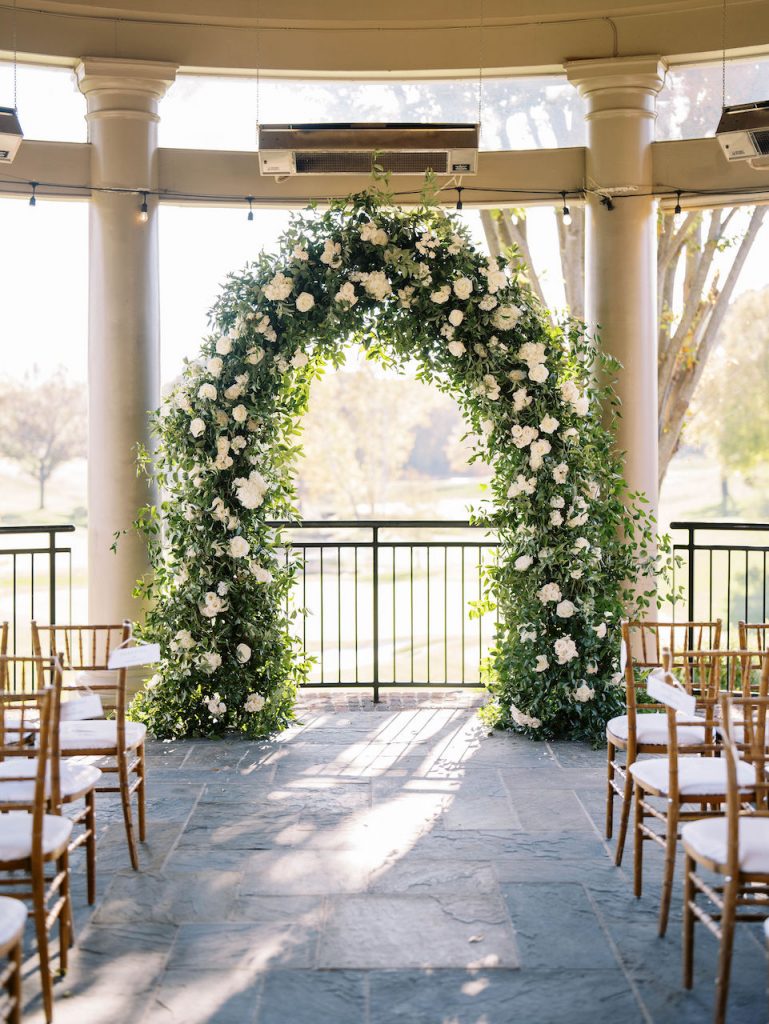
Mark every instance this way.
x=723 y=572
x=35 y=580
x=378 y=604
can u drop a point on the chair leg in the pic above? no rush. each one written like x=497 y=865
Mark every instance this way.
x=14 y=984
x=90 y=844
x=627 y=801
x=725 y=950
x=610 y=755
x=125 y=799
x=638 y=848
x=41 y=932
x=141 y=794
x=690 y=894
x=66 y=930
x=671 y=839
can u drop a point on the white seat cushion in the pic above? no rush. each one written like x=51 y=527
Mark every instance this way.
x=697 y=776
x=653 y=729
x=77 y=778
x=16 y=834
x=74 y=778
x=13 y=917
x=98 y=735
x=708 y=838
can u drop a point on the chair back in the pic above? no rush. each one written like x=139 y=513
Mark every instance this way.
x=644 y=647
x=754 y=636
x=744 y=729
x=86 y=650
x=36 y=675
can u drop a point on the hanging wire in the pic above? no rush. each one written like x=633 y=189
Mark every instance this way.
x=480 y=74
x=257 y=61
x=723 y=56
x=15 y=57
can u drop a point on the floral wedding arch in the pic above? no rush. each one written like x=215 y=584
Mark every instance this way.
x=405 y=284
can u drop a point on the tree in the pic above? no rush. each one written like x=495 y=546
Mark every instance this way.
x=358 y=436
x=44 y=425
x=731 y=414
x=699 y=260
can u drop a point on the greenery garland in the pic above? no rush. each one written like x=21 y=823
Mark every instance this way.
x=405 y=284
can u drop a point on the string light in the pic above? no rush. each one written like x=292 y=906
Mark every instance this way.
x=250 y=200
x=33 y=197
x=460 y=204
x=144 y=213
x=566 y=212
x=678 y=203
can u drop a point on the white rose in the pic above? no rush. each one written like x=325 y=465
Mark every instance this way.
x=564 y=609
x=210 y=662
x=207 y=391
x=548 y=425
x=441 y=294
x=582 y=406
x=495 y=279
x=456 y=348
x=243 y=653
x=262 y=575
x=549 y=592
x=560 y=473
x=197 y=427
x=521 y=399
x=523 y=562
x=506 y=317
x=542 y=663
x=569 y=392
x=240 y=414
x=600 y=631
x=214 y=366
x=565 y=650
x=305 y=301
x=239 y=547
x=224 y=346
x=255 y=356
x=487 y=303
x=184 y=639
x=538 y=373
x=300 y=254
x=279 y=287
x=556 y=519
x=346 y=294
x=251 y=491
x=584 y=693
x=299 y=359
x=456 y=316
x=463 y=287
x=254 y=703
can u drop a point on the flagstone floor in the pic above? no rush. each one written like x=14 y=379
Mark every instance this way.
x=373 y=868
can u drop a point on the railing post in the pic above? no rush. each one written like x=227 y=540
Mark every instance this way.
x=690 y=583
x=51 y=576
x=375 y=567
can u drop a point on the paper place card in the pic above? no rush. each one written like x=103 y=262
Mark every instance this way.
x=141 y=654
x=669 y=695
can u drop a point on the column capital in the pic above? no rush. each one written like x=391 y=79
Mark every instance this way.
x=141 y=83
x=645 y=75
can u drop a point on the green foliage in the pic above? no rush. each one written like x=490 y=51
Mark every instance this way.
x=404 y=285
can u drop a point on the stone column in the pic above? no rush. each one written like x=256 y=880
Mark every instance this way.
x=123 y=318
x=621 y=257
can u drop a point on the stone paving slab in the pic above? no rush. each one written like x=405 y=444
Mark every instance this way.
x=380 y=864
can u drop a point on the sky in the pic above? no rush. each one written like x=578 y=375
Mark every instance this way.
x=44 y=250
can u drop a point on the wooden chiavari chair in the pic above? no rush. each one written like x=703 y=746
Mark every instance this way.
x=13 y=917
x=86 y=650
x=754 y=636
x=643 y=727
x=34 y=835
x=77 y=781
x=690 y=779
x=735 y=847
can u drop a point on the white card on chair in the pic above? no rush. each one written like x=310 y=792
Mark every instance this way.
x=671 y=696
x=142 y=654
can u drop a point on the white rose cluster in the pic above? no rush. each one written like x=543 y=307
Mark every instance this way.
x=522 y=719
x=250 y=490
x=279 y=288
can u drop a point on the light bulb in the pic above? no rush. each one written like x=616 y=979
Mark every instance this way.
x=144 y=213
